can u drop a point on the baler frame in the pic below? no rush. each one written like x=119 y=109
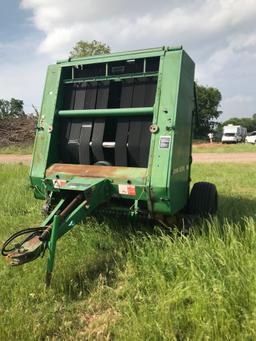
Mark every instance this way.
x=156 y=186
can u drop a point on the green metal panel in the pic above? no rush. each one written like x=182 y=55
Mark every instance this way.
x=109 y=78
x=114 y=57
x=179 y=177
x=161 y=157
x=45 y=128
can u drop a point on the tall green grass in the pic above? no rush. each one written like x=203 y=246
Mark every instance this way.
x=117 y=280
x=223 y=148
x=197 y=148
x=24 y=149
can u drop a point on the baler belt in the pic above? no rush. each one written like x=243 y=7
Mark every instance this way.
x=84 y=147
x=65 y=132
x=134 y=142
x=126 y=94
x=97 y=139
x=144 y=142
x=73 y=141
x=121 y=141
x=150 y=92
x=139 y=142
x=90 y=95
x=69 y=97
x=102 y=95
x=138 y=93
x=79 y=96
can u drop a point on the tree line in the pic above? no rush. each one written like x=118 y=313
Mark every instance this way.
x=208 y=98
x=248 y=122
x=12 y=108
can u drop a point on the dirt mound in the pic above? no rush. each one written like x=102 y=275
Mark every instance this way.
x=18 y=131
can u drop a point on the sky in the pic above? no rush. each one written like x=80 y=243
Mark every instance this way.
x=219 y=35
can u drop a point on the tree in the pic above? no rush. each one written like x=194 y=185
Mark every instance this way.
x=11 y=109
x=208 y=103
x=247 y=122
x=85 y=48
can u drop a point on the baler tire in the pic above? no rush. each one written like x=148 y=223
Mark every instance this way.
x=203 y=199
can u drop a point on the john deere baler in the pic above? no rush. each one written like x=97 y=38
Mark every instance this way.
x=114 y=135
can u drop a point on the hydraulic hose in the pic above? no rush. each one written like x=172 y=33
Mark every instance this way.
x=28 y=249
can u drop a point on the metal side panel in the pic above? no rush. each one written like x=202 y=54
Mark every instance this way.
x=45 y=125
x=179 y=177
x=164 y=118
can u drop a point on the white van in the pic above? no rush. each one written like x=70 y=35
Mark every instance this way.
x=233 y=134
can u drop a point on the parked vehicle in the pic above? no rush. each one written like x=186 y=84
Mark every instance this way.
x=233 y=134
x=251 y=138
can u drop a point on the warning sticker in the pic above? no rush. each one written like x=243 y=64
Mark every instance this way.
x=164 y=141
x=127 y=189
x=58 y=183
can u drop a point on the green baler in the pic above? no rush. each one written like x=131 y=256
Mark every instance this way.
x=114 y=135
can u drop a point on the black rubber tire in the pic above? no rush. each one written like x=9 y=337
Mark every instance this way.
x=203 y=199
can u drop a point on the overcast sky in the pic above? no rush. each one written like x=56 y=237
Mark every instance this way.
x=219 y=35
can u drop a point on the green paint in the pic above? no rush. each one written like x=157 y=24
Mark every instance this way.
x=52 y=244
x=107 y=112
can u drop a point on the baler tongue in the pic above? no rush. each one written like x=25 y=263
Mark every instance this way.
x=62 y=219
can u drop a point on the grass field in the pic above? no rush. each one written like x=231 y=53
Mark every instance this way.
x=197 y=148
x=115 y=282
x=223 y=148
x=17 y=149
